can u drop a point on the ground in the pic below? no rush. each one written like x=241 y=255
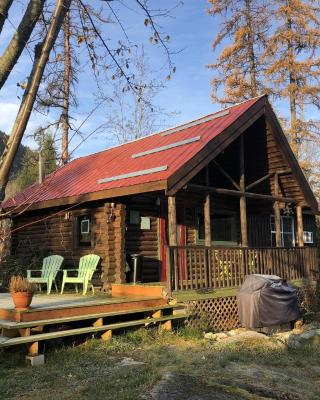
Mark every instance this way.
x=152 y=365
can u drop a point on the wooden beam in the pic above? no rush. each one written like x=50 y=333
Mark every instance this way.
x=207 y=221
x=277 y=216
x=225 y=173
x=269 y=175
x=299 y=226
x=172 y=220
x=100 y=195
x=236 y=193
x=255 y=183
x=107 y=336
x=243 y=201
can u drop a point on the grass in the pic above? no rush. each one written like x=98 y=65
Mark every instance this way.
x=95 y=370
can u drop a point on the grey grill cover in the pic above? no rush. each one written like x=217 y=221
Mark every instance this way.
x=266 y=300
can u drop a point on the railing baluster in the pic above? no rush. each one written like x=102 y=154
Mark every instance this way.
x=204 y=267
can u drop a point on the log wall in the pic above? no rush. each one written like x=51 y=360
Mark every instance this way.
x=144 y=241
x=51 y=231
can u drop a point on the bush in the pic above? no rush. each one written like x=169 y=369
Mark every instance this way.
x=18 y=265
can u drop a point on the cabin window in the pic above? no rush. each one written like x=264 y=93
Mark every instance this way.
x=287 y=231
x=223 y=228
x=83 y=230
x=308 y=237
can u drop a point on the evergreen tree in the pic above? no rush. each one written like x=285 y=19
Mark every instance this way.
x=238 y=68
x=29 y=172
x=293 y=69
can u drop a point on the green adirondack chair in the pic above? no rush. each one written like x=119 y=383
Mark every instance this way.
x=50 y=268
x=87 y=265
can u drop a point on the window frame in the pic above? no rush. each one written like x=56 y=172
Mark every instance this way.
x=292 y=232
x=76 y=229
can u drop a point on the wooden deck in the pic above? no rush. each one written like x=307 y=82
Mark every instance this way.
x=57 y=316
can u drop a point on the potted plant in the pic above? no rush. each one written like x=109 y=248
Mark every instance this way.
x=21 y=291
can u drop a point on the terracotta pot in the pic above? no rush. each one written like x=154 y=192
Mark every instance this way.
x=22 y=300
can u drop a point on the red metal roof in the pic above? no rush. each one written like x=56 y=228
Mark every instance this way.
x=81 y=175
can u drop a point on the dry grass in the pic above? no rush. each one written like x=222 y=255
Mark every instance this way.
x=94 y=370
x=21 y=284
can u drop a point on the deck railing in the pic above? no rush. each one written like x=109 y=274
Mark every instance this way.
x=201 y=267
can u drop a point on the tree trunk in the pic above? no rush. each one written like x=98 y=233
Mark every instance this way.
x=28 y=100
x=253 y=80
x=292 y=94
x=4 y=8
x=66 y=91
x=19 y=40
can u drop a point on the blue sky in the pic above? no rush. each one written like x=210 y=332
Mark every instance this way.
x=188 y=93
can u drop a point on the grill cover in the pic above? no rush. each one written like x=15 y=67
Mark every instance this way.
x=266 y=300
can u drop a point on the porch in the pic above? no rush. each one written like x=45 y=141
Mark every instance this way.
x=206 y=267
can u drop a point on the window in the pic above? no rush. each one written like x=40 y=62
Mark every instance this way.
x=308 y=237
x=287 y=231
x=83 y=230
x=223 y=228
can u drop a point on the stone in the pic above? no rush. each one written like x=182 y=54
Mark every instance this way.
x=127 y=361
x=35 y=360
x=237 y=331
x=216 y=336
x=177 y=386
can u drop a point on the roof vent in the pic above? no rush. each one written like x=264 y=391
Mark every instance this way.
x=197 y=122
x=166 y=147
x=134 y=174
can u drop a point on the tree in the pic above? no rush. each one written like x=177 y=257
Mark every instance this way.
x=133 y=114
x=4 y=8
x=293 y=68
x=18 y=42
x=42 y=54
x=29 y=172
x=59 y=82
x=238 y=70
x=48 y=30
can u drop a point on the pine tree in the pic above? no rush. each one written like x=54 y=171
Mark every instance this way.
x=294 y=68
x=29 y=172
x=238 y=68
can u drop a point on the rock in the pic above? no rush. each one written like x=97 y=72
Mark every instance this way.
x=247 y=335
x=237 y=331
x=177 y=386
x=127 y=361
x=216 y=336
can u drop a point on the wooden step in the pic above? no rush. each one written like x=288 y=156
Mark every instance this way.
x=131 y=290
x=19 y=325
x=6 y=342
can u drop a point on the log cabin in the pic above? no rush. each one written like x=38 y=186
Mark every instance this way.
x=202 y=205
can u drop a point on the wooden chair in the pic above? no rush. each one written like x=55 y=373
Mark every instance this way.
x=87 y=265
x=49 y=271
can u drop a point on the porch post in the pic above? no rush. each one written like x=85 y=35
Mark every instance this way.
x=276 y=208
x=172 y=219
x=243 y=202
x=299 y=226
x=207 y=221
x=207 y=214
